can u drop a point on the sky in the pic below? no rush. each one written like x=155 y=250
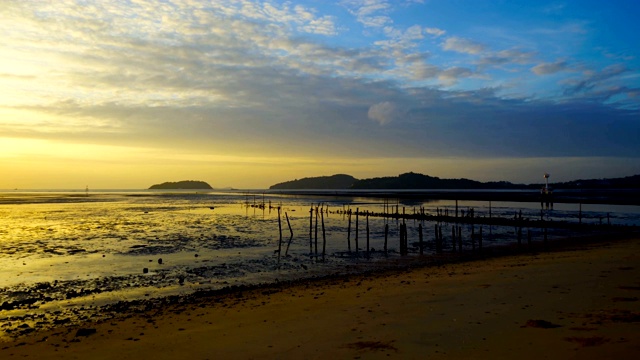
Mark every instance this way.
x=245 y=94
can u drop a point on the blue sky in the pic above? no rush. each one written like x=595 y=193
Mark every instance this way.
x=249 y=93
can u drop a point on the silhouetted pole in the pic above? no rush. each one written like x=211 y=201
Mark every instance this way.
x=386 y=236
x=290 y=231
x=349 y=232
x=324 y=238
x=310 y=228
x=316 y=235
x=357 y=211
x=420 y=239
x=580 y=214
x=280 y=240
x=368 y=234
x=453 y=238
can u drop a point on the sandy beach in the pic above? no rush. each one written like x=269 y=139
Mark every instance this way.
x=580 y=302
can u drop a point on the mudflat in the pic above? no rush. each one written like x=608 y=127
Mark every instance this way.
x=581 y=302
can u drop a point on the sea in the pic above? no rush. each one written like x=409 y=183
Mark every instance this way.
x=69 y=249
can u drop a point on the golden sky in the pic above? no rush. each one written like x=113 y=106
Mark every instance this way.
x=246 y=94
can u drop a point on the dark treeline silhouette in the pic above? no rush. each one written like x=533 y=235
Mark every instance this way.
x=182 y=185
x=338 y=181
x=419 y=181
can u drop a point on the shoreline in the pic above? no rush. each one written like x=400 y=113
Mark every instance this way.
x=569 y=196
x=405 y=311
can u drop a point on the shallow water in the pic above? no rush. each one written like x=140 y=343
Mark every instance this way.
x=61 y=249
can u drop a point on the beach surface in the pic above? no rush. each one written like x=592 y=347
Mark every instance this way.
x=581 y=302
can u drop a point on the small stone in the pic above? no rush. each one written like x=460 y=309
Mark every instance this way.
x=85 y=332
x=160 y=261
x=145 y=270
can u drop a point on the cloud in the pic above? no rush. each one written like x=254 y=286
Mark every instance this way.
x=384 y=112
x=507 y=57
x=367 y=12
x=221 y=76
x=549 y=68
x=434 y=31
x=451 y=76
x=463 y=46
x=592 y=80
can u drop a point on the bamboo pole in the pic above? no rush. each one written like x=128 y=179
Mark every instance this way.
x=386 y=235
x=290 y=237
x=368 y=247
x=324 y=238
x=357 y=211
x=310 y=228
x=349 y=231
x=280 y=240
x=316 y=234
x=420 y=238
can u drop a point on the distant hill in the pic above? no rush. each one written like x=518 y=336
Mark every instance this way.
x=419 y=181
x=628 y=182
x=182 y=185
x=338 y=181
x=413 y=181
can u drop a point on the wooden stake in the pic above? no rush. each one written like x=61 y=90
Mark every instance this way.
x=453 y=238
x=357 y=211
x=310 y=228
x=290 y=231
x=386 y=236
x=349 y=232
x=280 y=240
x=316 y=237
x=420 y=239
x=368 y=234
x=324 y=238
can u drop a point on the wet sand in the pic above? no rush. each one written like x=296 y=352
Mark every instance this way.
x=578 y=303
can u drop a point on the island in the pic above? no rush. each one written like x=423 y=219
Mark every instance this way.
x=182 y=185
x=338 y=181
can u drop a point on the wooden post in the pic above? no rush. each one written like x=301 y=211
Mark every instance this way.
x=480 y=240
x=529 y=239
x=368 y=234
x=386 y=236
x=401 y=236
x=310 y=227
x=519 y=228
x=290 y=231
x=420 y=237
x=546 y=245
x=453 y=238
x=324 y=238
x=316 y=242
x=473 y=238
x=456 y=208
x=357 y=211
x=460 y=239
x=580 y=214
x=403 y=239
x=349 y=232
x=280 y=230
